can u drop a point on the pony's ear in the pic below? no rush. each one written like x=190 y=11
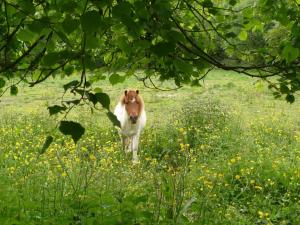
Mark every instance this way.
x=125 y=92
x=137 y=91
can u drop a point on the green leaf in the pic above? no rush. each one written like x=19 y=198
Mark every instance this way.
x=98 y=90
x=143 y=44
x=56 y=109
x=232 y=2
x=107 y=57
x=258 y=28
x=63 y=37
x=27 y=6
x=73 y=83
x=13 y=90
x=103 y=99
x=102 y=3
x=183 y=66
x=212 y=11
x=68 y=70
x=123 y=45
x=2 y=82
x=276 y=94
x=50 y=59
x=36 y=26
x=284 y=89
x=116 y=78
x=122 y=10
x=69 y=24
x=177 y=81
x=290 y=53
x=68 y=6
x=290 y=98
x=207 y=4
x=26 y=35
x=80 y=91
x=141 y=10
x=195 y=83
x=163 y=48
x=100 y=97
x=92 y=42
x=53 y=58
x=92 y=97
x=91 y=21
x=243 y=35
x=230 y=35
x=74 y=129
x=112 y=117
x=90 y=62
x=175 y=36
x=46 y=144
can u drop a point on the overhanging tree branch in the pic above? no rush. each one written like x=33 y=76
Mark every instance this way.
x=50 y=72
x=194 y=11
x=26 y=53
x=205 y=56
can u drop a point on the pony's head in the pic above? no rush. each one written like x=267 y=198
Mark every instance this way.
x=133 y=104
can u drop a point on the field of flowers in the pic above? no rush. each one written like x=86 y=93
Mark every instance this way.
x=223 y=153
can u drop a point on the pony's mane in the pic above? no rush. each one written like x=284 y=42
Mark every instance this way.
x=140 y=101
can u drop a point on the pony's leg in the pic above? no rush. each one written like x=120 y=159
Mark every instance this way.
x=125 y=144
x=135 y=145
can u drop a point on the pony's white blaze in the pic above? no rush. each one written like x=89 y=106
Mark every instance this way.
x=130 y=132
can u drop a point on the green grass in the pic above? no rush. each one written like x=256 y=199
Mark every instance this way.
x=223 y=153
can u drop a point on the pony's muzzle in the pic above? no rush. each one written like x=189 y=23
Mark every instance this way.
x=133 y=119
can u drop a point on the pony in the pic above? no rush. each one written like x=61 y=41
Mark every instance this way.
x=130 y=111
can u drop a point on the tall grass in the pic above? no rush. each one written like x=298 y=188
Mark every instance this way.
x=204 y=166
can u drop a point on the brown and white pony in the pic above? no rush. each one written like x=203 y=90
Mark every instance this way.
x=130 y=111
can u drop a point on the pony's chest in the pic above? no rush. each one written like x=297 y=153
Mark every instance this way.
x=129 y=129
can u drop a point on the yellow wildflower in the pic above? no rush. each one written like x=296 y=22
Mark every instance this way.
x=92 y=157
x=237 y=177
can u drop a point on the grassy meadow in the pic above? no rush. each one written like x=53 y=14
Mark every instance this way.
x=223 y=153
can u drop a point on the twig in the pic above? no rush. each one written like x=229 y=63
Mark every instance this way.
x=48 y=75
x=154 y=85
x=206 y=73
x=22 y=78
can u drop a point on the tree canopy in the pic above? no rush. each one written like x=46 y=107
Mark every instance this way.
x=180 y=40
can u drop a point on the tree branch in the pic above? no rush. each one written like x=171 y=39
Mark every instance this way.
x=192 y=9
x=211 y=60
x=26 y=53
x=9 y=36
x=154 y=85
x=51 y=71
